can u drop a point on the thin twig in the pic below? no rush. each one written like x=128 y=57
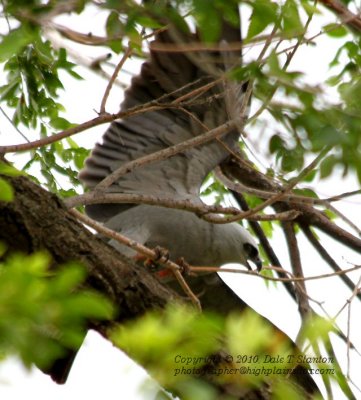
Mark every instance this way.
x=117 y=69
x=11 y=122
x=343 y=217
x=284 y=68
x=292 y=278
x=326 y=256
x=347 y=304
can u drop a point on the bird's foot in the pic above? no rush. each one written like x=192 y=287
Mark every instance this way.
x=161 y=257
x=185 y=267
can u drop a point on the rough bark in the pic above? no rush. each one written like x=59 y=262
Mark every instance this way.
x=37 y=220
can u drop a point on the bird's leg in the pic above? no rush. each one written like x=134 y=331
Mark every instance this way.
x=161 y=256
x=185 y=267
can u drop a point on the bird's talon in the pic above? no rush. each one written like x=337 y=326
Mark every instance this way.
x=185 y=267
x=150 y=265
x=161 y=254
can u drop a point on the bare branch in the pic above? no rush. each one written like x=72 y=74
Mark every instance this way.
x=104 y=197
x=350 y=19
x=101 y=119
x=251 y=215
x=326 y=256
x=295 y=257
x=154 y=105
x=292 y=277
x=117 y=69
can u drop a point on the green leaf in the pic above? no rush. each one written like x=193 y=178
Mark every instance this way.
x=208 y=20
x=327 y=165
x=6 y=191
x=292 y=160
x=9 y=170
x=276 y=143
x=264 y=13
x=306 y=192
x=292 y=24
x=268 y=273
x=310 y=8
x=318 y=328
x=114 y=27
x=158 y=338
x=41 y=311
x=15 y=41
x=61 y=123
x=335 y=30
x=283 y=389
x=147 y=22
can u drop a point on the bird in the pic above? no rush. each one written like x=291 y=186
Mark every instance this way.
x=165 y=77
x=209 y=100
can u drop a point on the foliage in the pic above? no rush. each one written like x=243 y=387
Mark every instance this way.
x=40 y=311
x=178 y=345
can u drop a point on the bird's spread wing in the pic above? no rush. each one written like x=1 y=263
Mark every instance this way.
x=164 y=78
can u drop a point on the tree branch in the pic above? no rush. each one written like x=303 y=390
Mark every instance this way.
x=295 y=257
x=327 y=257
x=246 y=174
x=350 y=19
x=37 y=220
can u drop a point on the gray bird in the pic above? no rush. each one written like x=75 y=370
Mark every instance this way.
x=166 y=77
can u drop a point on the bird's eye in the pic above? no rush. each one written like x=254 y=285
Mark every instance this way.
x=250 y=250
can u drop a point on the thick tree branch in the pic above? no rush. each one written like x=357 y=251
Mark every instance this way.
x=37 y=220
x=244 y=172
x=295 y=256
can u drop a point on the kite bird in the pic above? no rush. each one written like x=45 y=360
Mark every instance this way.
x=189 y=97
x=167 y=76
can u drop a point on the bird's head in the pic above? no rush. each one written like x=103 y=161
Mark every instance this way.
x=252 y=254
x=249 y=248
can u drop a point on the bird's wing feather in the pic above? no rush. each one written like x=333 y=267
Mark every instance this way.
x=180 y=176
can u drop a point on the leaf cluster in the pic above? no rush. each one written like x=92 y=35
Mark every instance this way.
x=179 y=339
x=42 y=312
